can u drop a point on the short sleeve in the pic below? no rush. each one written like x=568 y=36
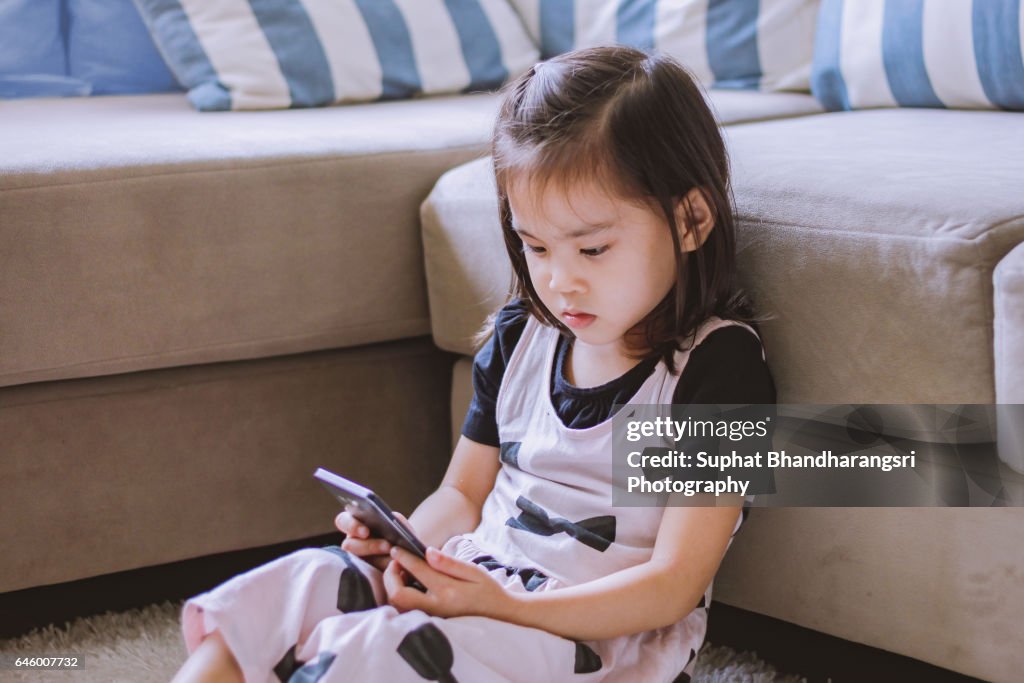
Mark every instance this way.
x=727 y=368
x=481 y=423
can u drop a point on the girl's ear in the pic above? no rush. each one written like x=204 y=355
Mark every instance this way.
x=694 y=232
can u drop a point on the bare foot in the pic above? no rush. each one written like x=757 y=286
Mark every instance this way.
x=211 y=661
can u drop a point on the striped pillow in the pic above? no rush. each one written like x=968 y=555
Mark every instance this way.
x=749 y=44
x=273 y=54
x=919 y=53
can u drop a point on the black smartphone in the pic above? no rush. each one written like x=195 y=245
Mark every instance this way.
x=371 y=510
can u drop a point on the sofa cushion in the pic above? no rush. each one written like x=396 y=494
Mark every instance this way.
x=137 y=233
x=736 y=106
x=872 y=236
x=872 y=245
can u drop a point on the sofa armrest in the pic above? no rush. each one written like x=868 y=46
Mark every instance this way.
x=1008 y=283
x=468 y=272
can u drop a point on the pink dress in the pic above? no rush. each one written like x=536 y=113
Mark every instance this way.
x=321 y=614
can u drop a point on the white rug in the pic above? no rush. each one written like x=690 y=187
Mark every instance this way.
x=145 y=645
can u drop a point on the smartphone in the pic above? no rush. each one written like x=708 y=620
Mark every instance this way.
x=371 y=510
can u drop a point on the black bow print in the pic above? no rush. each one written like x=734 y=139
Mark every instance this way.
x=587 y=661
x=291 y=670
x=596 y=532
x=427 y=650
x=508 y=453
x=355 y=594
x=287 y=666
x=354 y=591
x=532 y=578
x=684 y=677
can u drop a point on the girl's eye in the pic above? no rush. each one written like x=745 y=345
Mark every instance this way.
x=532 y=249
x=596 y=251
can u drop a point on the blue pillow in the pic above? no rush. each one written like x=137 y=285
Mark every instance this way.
x=919 y=53
x=273 y=54
x=31 y=49
x=110 y=47
x=744 y=44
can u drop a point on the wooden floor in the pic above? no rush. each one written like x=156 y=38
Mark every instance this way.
x=791 y=649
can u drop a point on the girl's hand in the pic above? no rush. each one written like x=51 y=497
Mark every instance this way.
x=454 y=587
x=360 y=543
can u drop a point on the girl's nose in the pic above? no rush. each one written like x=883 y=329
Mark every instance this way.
x=563 y=279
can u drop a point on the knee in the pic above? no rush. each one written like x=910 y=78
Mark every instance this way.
x=211 y=661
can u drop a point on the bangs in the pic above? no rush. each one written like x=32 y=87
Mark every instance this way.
x=559 y=166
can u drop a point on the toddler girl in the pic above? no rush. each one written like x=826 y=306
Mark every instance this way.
x=614 y=203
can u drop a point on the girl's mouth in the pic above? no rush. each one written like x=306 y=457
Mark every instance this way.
x=578 y=320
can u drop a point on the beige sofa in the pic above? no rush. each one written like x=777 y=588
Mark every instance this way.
x=197 y=310
x=888 y=246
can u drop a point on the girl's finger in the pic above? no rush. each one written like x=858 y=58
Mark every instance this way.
x=419 y=569
x=350 y=526
x=366 y=548
x=401 y=596
x=388 y=576
x=392 y=582
x=408 y=560
x=378 y=561
x=404 y=520
x=452 y=566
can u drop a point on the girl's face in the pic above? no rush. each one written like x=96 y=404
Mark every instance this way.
x=599 y=263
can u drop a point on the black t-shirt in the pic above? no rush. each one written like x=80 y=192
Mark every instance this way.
x=726 y=368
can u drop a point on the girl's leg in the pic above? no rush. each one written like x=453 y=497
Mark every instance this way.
x=262 y=617
x=211 y=662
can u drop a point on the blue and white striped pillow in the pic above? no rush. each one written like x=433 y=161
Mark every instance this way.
x=919 y=53
x=749 y=44
x=272 y=54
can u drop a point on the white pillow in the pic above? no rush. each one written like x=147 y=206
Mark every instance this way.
x=272 y=54
x=749 y=44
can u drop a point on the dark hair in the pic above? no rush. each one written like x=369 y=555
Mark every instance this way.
x=638 y=124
